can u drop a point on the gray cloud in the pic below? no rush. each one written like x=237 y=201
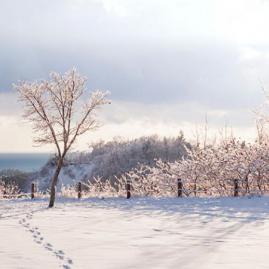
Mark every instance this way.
x=211 y=75
x=149 y=53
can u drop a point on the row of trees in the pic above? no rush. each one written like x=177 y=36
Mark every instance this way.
x=212 y=170
x=204 y=170
x=118 y=156
x=208 y=170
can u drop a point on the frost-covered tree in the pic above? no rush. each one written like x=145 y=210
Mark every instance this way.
x=52 y=106
x=209 y=170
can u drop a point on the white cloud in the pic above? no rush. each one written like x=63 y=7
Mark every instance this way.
x=16 y=136
x=131 y=120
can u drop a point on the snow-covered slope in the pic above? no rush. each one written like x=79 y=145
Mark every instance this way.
x=69 y=175
x=137 y=233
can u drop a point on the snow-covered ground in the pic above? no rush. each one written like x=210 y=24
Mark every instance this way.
x=138 y=233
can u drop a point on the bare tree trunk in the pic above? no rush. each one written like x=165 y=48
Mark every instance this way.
x=247 y=183
x=195 y=187
x=259 y=182
x=54 y=182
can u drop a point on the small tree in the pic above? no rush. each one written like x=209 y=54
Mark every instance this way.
x=52 y=108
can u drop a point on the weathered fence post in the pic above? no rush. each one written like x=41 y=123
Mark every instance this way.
x=236 y=187
x=32 y=190
x=79 y=190
x=128 y=189
x=179 y=187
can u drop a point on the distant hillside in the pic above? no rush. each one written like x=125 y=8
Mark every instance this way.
x=113 y=158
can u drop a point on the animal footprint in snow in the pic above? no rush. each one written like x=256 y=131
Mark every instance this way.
x=47 y=245
x=48 y=248
x=59 y=254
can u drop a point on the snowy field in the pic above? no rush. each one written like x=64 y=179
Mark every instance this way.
x=137 y=233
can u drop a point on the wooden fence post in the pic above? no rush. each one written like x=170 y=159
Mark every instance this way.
x=236 y=187
x=128 y=189
x=179 y=187
x=79 y=190
x=32 y=190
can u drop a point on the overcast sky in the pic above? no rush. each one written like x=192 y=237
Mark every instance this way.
x=166 y=63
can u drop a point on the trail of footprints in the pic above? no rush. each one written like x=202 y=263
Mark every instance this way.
x=66 y=263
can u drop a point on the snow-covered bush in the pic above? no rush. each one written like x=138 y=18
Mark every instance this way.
x=68 y=191
x=8 y=189
x=209 y=171
x=21 y=179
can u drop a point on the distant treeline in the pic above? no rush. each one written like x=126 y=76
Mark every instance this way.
x=104 y=160
x=119 y=156
x=113 y=158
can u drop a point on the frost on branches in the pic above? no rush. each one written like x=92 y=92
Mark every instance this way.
x=207 y=171
x=58 y=116
x=211 y=170
x=8 y=190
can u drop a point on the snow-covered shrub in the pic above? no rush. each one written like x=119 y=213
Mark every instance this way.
x=8 y=190
x=21 y=179
x=209 y=171
x=68 y=191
